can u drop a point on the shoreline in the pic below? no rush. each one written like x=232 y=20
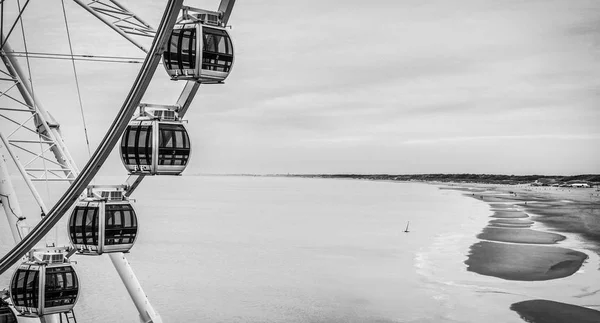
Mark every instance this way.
x=560 y=209
x=563 y=273
x=508 y=234
x=520 y=241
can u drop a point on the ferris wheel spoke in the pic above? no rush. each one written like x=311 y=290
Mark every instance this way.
x=225 y=8
x=120 y=19
x=5 y=39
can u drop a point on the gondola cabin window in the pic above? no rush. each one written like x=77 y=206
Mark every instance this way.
x=25 y=287
x=217 y=50
x=84 y=226
x=182 y=49
x=120 y=225
x=173 y=145
x=136 y=146
x=61 y=287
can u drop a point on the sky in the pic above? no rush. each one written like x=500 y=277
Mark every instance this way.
x=402 y=87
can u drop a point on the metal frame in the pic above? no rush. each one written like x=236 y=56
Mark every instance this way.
x=10 y=203
x=147 y=312
x=47 y=128
x=125 y=22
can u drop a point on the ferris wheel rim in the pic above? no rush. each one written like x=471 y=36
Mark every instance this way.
x=101 y=153
x=83 y=178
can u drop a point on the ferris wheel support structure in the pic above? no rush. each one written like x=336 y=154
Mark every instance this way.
x=10 y=203
x=127 y=23
x=9 y=197
x=48 y=129
x=146 y=311
x=45 y=124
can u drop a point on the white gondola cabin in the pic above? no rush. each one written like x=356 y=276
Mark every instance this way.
x=6 y=314
x=44 y=286
x=155 y=143
x=103 y=222
x=199 y=49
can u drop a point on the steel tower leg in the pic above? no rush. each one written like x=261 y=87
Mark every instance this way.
x=11 y=206
x=145 y=309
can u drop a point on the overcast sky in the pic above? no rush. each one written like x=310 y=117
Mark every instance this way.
x=480 y=86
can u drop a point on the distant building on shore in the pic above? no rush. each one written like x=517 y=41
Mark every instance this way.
x=543 y=182
x=580 y=185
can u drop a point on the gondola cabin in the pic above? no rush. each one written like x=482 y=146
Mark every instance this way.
x=155 y=143
x=6 y=314
x=199 y=49
x=45 y=285
x=103 y=222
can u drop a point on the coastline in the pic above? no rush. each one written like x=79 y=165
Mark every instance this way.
x=520 y=241
x=566 y=210
x=560 y=269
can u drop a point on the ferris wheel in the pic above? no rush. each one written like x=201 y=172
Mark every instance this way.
x=195 y=48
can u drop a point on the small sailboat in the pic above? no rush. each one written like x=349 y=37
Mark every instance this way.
x=406 y=230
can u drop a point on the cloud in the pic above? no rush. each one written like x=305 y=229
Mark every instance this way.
x=506 y=137
x=343 y=78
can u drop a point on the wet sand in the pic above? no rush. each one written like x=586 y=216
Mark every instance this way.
x=581 y=217
x=509 y=235
x=505 y=214
x=512 y=221
x=523 y=262
x=505 y=225
x=519 y=235
x=562 y=209
x=513 y=251
x=544 y=311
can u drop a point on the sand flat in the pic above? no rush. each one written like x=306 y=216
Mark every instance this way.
x=520 y=235
x=514 y=226
x=523 y=262
x=509 y=214
x=502 y=205
x=544 y=311
x=511 y=221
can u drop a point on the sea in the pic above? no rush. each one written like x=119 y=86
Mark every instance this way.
x=281 y=249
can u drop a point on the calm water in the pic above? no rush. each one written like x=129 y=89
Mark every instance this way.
x=250 y=249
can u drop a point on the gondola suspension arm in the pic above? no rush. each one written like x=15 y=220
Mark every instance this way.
x=187 y=94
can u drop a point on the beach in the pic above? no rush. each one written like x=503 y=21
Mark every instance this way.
x=526 y=240
x=269 y=249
